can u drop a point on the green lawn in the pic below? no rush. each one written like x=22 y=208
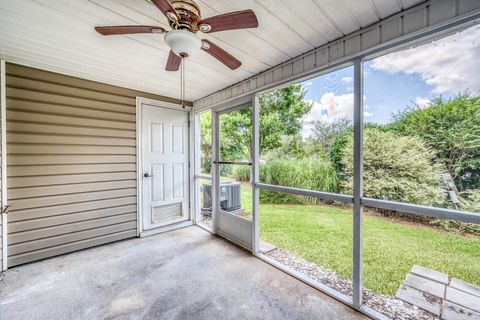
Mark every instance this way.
x=323 y=235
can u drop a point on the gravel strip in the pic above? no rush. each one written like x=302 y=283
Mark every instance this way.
x=389 y=306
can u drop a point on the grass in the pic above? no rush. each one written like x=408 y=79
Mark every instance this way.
x=323 y=235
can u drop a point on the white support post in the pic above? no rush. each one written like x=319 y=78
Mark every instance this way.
x=255 y=174
x=196 y=170
x=3 y=153
x=215 y=170
x=191 y=163
x=357 y=183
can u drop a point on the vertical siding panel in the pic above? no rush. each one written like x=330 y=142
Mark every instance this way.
x=467 y=5
x=62 y=199
x=353 y=45
x=298 y=66
x=309 y=62
x=370 y=38
x=441 y=11
x=287 y=70
x=336 y=51
x=414 y=21
x=321 y=58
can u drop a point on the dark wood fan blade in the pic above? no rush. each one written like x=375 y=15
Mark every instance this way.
x=221 y=55
x=173 y=62
x=166 y=7
x=230 y=21
x=112 y=30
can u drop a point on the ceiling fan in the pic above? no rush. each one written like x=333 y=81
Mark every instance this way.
x=185 y=19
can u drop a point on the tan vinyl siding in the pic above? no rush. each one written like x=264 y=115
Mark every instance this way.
x=71 y=147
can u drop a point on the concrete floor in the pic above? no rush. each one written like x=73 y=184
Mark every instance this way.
x=183 y=274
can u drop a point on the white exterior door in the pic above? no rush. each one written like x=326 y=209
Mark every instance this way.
x=165 y=163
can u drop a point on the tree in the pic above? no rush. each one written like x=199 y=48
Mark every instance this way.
x=397 y=168
x=325 y=133
x=281 y=113
x=452 y=129
x=337 y=151
x=294 y=147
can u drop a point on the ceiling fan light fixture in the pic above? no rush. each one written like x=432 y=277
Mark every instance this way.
x=183 y=43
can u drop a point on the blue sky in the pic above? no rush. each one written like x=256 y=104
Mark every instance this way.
x=397 y=80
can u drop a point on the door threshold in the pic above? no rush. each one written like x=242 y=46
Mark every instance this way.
x=166 y=228
x=204 y=227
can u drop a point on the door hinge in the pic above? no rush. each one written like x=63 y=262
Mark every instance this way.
x=189 y=123
x=5 y=209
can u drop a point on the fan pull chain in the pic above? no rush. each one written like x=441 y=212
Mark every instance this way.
x=182 y=83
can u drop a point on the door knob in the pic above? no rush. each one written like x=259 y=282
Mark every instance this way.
x=147 y=175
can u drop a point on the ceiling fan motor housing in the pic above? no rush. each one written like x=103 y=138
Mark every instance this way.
x=189 y=13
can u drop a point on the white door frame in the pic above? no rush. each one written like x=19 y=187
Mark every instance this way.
x=232 y=224
x=3 y=169
x=166 y=105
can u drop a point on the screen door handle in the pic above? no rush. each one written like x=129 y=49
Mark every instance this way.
x=234 y=162
x=147 y=175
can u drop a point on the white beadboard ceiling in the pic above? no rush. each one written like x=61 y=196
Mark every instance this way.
x=58 y=35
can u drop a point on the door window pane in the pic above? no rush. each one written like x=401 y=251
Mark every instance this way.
x=206 y=143
x=236 y=190
x=236 y=135
x=203 y=186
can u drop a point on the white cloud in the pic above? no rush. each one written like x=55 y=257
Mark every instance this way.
x=331 y=108
x=306 y=84
x=449 y=65
x=422 y=102
x=366 y=113
x=347 y=80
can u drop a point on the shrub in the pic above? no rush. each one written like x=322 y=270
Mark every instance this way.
x=456 y=226
x=452 y=129
x=397 y=168
x=312 y=174
x=241 y=173
x=337 y=150
x=279 y=197
x=470 y=200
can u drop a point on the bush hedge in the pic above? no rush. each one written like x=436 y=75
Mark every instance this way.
x=311 y=173
x=398 y=168
x=450 y=127
x=241 y=173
